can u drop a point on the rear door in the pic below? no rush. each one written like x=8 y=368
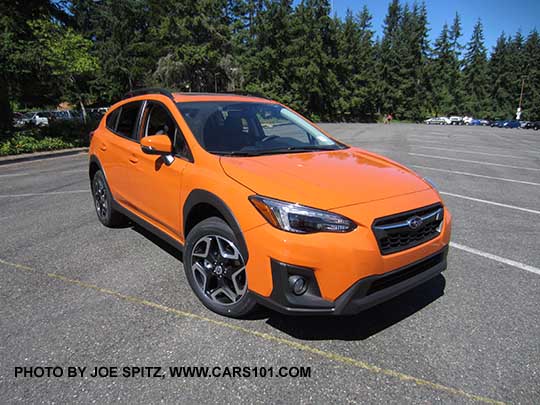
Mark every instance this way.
x=118 y=151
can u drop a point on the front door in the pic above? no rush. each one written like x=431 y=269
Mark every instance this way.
x=156 y=185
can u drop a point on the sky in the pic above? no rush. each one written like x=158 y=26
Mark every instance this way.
x=496 y=15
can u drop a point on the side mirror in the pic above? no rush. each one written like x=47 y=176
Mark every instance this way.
x=156 y=145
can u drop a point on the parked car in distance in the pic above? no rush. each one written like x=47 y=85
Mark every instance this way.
x=511 y=124
x=535 y=125
x=467 y=120
x=438 y=121
x=497 y=124
x=475 y=121
x=266 y=207
x=97 y=112
x=455 y=120
x=485 y=122
x=39 y=119
x=65 y=115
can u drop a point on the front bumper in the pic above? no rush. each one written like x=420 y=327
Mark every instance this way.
x=343 y=266
x=362 y=295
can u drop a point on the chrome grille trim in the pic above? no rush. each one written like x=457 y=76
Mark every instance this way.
x=395 y=233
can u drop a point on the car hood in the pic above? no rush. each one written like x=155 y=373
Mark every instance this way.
x=325 y=180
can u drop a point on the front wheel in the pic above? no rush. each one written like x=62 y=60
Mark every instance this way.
x=216 y=269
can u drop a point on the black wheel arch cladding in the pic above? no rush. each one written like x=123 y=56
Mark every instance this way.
x=198 y=196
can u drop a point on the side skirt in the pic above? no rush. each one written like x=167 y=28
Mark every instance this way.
x=148 y=226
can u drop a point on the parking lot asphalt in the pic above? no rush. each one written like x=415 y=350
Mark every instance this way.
x=74 y=293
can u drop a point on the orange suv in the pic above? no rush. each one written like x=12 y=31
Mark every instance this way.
x=265 y=206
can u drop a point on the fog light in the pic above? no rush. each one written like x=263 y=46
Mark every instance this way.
x=298 y=284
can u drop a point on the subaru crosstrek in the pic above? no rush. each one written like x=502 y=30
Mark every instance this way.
x=264 y=205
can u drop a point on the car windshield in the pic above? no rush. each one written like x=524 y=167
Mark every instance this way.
x=252 y=129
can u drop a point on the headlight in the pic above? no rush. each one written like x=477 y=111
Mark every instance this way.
x=431 y=183
x=298 y=218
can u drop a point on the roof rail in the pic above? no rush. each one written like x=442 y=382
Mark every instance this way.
x=165 y=92
x=226 y=93
x=249 y=93
x=150 y=90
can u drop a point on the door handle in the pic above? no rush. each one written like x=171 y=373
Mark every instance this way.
x=103 y=147
x=133 y=159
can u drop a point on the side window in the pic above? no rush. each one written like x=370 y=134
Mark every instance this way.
x=158 y=121
x=128 y=120
x=112 y=119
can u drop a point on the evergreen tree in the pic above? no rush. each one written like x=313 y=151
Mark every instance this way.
x=313 y=79
x=455 y=83
x=412 y=49
x=194 y=37
x=267 y=64
x=366 y=86
x=355 y=67
x=327 y=67
x=475 y=74
x=389 y=60
x=499 y=67
x=441 y=73
x=531 y=96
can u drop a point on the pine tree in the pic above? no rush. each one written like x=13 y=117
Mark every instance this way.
x=441 y=73
x=531 y=57
x=265 y=66
x=455 y=82
x=475 y=74
x=310 y=62
x=412 y=50
x=389 y=62
x=366 y=88
x=355 y=67
x=499 y=67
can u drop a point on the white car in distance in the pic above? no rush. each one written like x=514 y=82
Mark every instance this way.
x=438 y=121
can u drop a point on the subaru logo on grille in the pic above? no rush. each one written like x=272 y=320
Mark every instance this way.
x=415 y=222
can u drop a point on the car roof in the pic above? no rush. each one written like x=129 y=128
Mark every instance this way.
x=196 y=97
x=182 y=97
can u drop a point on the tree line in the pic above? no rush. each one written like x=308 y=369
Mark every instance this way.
x=91 y=52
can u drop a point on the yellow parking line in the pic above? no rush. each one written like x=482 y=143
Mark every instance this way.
x=287 y=342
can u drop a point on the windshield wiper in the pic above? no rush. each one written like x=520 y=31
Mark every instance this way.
x=233 y=153
x=296 y=149
x=276 y=151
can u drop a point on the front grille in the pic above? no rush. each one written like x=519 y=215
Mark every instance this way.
x=403 y=231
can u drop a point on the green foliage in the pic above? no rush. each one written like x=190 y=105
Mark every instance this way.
x=329 y=68
x=475 y=74
x=531 y=75
x=29 y=142
x=66 y=54
x=57 y=135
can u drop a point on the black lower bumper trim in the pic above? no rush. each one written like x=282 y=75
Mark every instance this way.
x=365 y=293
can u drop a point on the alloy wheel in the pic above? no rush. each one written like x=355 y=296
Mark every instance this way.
x=100 y=197
x=219 y=269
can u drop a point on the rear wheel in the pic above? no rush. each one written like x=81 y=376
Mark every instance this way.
x=216 y=269
x=106 y=214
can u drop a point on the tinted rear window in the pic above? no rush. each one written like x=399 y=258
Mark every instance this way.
x=128 y=119
x=112 y=119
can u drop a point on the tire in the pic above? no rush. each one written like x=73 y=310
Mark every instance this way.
x=215 y=269
x=103 y=202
